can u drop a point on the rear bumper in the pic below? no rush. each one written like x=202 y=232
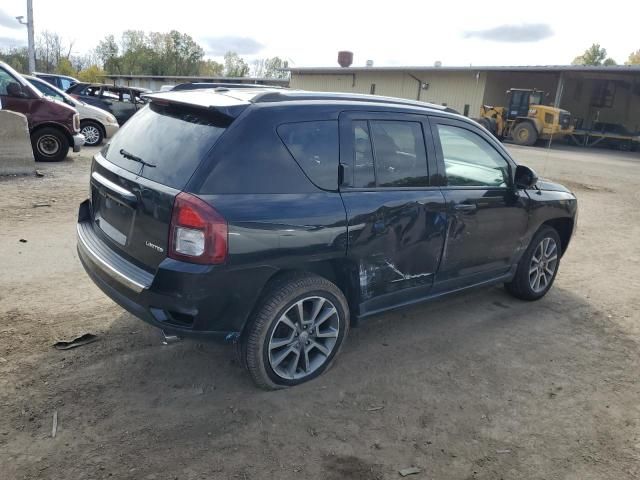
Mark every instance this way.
x=78 y=142
x=180 y=298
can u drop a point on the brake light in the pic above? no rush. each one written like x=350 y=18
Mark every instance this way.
x=198 y=233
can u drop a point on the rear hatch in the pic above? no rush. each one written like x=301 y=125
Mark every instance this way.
x=136 y=177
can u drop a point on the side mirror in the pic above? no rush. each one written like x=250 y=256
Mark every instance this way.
x=525 y=177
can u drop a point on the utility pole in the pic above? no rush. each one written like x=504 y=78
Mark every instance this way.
x=30 y=35
x=32 y=43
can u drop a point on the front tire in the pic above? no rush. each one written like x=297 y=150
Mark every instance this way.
x=298 y=329
x=92 y=132
x=538 y=266
x=49 y=145
x=525 y=134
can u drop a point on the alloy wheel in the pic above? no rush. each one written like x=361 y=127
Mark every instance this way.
x=304 y=338
x=91 y=134
x=543 y=264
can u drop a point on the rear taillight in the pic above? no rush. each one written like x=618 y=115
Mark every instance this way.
x=76 y=122
x=198 y=233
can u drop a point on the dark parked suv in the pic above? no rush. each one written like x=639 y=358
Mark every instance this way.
x=279 y=218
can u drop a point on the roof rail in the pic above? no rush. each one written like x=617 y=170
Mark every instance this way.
x=284 y=96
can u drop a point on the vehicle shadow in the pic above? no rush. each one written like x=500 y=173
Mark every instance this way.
x=478 y=365
x=380 y=344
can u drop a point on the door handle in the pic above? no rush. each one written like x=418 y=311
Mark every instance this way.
x=466 y=207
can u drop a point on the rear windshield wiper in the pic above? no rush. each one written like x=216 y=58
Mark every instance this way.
x=131 y=156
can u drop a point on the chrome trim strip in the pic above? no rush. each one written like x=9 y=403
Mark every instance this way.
x=114 y=187
x=106 y=268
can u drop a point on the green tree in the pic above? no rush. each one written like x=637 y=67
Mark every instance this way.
x=634 y=58
x=594 y=55
x=153 y=53
x=234 y=65
x=16 y=57
x=107 y=51
x=273 y=68
x=92 y=74
x=64 y=67
x=210 y=68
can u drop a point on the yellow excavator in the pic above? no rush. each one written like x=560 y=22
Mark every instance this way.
x=526 y=120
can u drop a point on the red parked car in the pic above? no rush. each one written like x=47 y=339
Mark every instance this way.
x=54 y=126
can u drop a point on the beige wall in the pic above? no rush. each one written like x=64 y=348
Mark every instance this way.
x=453 y=88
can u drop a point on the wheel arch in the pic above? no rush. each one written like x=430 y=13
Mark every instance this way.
x=55 y=125
x=564 y=226
x=340 y=272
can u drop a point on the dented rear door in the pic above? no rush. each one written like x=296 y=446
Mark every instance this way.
x=396 y=216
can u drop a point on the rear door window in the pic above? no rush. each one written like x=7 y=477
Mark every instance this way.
x=400 y=156
x=314 y=146
x=387 y=154
x=173 y=139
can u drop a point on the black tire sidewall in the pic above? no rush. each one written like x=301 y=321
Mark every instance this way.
x=63 y=145
x=523 y=268
x=533 y=135
x=277 y=299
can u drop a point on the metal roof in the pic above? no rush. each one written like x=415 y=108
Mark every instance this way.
x=188 y=78
x=471 y=68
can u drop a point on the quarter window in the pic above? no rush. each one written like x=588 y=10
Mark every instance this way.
x=469 y=160
x=314 y=146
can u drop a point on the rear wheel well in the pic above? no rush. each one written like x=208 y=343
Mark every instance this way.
x=337 y=272
x=564 y=227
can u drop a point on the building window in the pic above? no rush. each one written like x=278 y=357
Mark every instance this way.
x=604 y=93
x=466 y=110
x=372 y=90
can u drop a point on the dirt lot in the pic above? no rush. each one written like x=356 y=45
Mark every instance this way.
x=474 y=386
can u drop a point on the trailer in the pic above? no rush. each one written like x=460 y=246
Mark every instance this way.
x=615 y=136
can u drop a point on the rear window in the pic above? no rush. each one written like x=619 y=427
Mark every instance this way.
x=314 y=145
x=174 y=139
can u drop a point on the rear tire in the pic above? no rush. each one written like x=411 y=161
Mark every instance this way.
x=49 y=145
x=92 y=132
x=525 y=134
x=538 y=266
x=298 y=329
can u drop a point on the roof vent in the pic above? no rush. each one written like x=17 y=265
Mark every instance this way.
x=369 y=63
x=345 y=58
x=437 y=63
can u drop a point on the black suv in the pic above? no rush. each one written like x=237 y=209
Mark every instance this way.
x=278 y=218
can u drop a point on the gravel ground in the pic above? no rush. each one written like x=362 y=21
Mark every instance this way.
x=473 y=386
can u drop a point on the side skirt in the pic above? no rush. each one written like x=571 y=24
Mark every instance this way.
x=432 y=296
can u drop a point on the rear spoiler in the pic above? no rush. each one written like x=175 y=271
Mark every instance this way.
x=219 y=104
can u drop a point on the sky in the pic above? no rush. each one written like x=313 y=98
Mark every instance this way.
x=393 y=33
